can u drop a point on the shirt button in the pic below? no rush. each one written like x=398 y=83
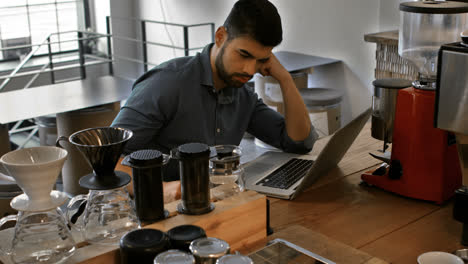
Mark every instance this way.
x=218 y=130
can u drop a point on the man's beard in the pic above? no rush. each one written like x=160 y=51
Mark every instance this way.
x=224 y=75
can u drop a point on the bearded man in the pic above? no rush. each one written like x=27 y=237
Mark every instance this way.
x=204 y=98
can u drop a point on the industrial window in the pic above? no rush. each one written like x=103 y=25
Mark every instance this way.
x=24 y=22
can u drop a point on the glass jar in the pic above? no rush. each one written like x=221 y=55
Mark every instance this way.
x=174 y=256
x=209 y=249
x=226 y=172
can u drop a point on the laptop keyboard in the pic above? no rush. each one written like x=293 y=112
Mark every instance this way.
x=288 y=174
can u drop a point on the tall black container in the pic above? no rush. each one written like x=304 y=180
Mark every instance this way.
x=194 y=178
x=147 y=184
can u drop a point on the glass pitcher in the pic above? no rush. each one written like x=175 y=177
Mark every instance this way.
x=39 y=237
x=102 y=216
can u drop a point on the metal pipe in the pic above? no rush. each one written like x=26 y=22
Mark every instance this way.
x=22 y=63
x=133 y=60
x=18 y=130
x=109 y=45
x=143 y=46
x=186 y=41
x=36 y=76
x=61 y=68
x=52 y=75
x=162 y=22
x=33 y=132
x=81 y=57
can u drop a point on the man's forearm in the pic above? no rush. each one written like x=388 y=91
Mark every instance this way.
x=295 y=111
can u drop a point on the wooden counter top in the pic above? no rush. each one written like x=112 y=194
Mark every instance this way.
x=339 y=218
x=382 y=224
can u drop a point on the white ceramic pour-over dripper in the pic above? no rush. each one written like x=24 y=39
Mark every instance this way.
x=35 y=171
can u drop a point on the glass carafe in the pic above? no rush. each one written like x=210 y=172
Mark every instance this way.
x=41 y=234
x=102 y=216
x=107 y=211
x=39 y=237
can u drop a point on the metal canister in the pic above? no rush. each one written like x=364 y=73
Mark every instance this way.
x=234 y=259
x=208 y=250
x=174 y=256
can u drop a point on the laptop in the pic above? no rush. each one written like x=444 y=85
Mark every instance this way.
x=285 y=175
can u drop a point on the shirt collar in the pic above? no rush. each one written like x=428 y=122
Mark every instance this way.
x=226 y=95
x=206 y=73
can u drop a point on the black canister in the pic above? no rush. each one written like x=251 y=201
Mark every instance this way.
x=142 y=245
x=147 y=184
x=194 y=178
x=181 y=236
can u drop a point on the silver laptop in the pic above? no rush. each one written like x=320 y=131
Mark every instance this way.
x=286 y=175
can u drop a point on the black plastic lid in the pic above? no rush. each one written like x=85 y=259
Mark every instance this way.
x=434 y=7
x=146 y=157
x=392 y=83
x=145 y=241
x=193 y=150
x=224 y=152
x=181 y=236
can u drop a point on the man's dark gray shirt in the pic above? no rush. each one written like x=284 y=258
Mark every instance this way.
x=176 y=103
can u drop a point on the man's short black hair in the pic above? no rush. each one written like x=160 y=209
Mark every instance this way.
x=258 y=19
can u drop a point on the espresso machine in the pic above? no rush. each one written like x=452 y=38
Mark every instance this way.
x=451 y=114
x=423 y=163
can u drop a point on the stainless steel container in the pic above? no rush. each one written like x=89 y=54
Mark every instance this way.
x=234 y=259
x=174 y=256
x=209 y=249
x=383 y=106
x=451 y=111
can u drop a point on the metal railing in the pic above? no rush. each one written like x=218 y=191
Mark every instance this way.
x=144 y=42
x=85 y=59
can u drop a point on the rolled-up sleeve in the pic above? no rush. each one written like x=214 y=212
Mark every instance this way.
x=270 y=127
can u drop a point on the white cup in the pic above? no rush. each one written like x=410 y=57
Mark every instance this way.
x=438 y=257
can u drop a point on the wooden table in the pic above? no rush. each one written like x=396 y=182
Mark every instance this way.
x=372 y=221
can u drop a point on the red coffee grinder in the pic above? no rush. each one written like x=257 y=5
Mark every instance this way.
x=423 y=162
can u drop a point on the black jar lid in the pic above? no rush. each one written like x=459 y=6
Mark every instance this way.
x=434 y=7
x=193 y=150
x=226 y=151
x=146 y=157
x=392 y=83
x=144 y=241
x=181 y=236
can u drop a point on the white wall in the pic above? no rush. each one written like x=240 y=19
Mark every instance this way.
x=389 y=14
x=331 y=28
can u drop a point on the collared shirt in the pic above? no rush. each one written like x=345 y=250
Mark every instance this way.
x=176 y=103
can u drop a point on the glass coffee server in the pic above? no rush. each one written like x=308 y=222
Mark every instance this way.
x=107 y=212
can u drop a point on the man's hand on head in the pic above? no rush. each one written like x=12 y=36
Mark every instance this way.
x=274 y=69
